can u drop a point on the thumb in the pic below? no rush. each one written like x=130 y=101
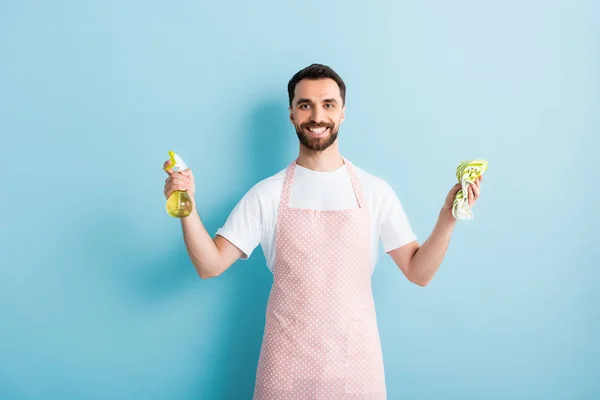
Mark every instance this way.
x=454 y=191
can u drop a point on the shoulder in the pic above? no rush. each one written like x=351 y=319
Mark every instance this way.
x=372 y=183
x=268 y=187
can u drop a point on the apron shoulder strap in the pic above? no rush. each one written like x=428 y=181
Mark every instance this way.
x=358 y=192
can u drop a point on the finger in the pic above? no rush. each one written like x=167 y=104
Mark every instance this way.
x=180 y=179
x=471 y=195
x=177 y=177
x=189 y=174
x=476 y=191
x=169 y=192
x=166 y=167
x=173 y=188
x=179 y=185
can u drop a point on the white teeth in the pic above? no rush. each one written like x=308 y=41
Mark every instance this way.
x=317 y=130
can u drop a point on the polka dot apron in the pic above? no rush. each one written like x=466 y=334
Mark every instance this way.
x=321 y=339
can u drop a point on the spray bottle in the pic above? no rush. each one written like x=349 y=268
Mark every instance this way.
x=179 y=203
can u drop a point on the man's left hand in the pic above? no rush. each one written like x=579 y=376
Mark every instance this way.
x=474 y=193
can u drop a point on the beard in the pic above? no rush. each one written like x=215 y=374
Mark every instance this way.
x=317 y=143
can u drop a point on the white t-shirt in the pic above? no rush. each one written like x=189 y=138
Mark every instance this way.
x=252 y=221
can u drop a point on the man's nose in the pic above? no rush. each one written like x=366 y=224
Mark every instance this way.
x=317 y=115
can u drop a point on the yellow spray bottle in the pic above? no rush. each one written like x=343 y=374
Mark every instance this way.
x=179 y=203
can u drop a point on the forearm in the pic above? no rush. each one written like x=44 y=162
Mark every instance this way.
x=427 y=259
x=201 y=248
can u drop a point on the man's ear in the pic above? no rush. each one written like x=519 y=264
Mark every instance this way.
x=291 y=115
x=343 y=114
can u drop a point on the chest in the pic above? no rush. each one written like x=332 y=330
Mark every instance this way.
x=332 y=194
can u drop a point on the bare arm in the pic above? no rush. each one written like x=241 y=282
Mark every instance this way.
x=210 y=256
x=420 y=263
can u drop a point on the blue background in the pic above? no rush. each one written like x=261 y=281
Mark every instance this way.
x=98 y=299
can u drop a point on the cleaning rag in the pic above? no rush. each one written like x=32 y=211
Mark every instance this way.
x=466 y=172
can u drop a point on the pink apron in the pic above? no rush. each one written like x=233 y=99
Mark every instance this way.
x=321 y=339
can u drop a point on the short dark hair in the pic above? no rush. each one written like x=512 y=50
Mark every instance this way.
x=316 y=71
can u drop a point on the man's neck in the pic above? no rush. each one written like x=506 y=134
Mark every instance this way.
x=320 y=161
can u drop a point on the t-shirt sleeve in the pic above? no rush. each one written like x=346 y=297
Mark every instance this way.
x=243 y=227
x=394 y=227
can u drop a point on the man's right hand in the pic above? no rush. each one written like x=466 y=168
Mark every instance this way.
x=210 y=256
x=183 y=180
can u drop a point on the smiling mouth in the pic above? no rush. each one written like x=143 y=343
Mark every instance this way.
x=317 y=131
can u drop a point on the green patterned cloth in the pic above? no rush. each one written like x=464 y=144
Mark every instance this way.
x=466 y=172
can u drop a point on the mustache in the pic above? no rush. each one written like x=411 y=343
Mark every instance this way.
x=317 y=125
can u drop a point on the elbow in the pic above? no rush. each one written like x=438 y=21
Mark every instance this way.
x=207 y=273
x=421 y=281
x=419 y=276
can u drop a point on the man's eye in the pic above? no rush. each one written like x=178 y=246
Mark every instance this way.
x=329 y=105
x=304 y=105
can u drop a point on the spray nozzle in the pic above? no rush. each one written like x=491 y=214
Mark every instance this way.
x=175 y=163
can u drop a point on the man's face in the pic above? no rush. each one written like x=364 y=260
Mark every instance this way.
x=317 y=112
